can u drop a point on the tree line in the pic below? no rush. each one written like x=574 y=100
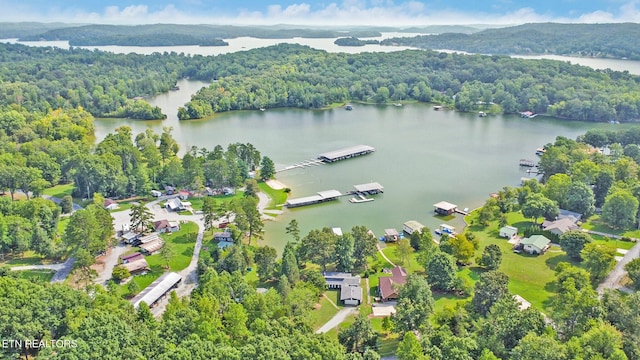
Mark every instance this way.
x=289 y=75
x=592 y=40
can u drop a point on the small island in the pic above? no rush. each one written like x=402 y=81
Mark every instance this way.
x=354 y=41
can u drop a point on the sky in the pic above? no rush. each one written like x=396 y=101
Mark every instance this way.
x=322 y=12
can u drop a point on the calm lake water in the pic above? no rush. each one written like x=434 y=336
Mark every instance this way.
x=422 y=156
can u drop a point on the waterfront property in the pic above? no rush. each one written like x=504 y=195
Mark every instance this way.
x=410 y=226
x=508 y=232
x=372 y=188
x=388 y=286
x=158 y=289
x=337 y=231
x=349 y=285
x=321 y=196
x=535 y=244
x=445 y=208
x=346 y=153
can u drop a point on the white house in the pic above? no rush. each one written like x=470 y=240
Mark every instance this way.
x=508 y=232
x=535 y=244
x=110 y=204
x=156 y=193
x=174 y=204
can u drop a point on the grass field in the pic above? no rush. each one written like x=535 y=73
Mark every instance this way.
x=196 y=203
x=326 y=310
x=594 y=223
x=183 y=242
x=59 y=191
x=27 y=258
x=36 y=275
x=278 y=197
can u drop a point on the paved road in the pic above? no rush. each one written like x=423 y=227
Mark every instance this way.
x=58 y=200
x=63 y=272
x=110 y=260
x=612 y=281
x=337 y=319
x=62 y=269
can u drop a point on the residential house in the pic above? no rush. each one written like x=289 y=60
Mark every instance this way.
x=130 y=237
x=572 y=215
x=349 y=285
x=388 y=285
x=175 y=205
x=535 y=244
x=147 y=239
x=508 y=232
x=110 y=204
x=166 y=226
x=184 y=194
x=559 y=226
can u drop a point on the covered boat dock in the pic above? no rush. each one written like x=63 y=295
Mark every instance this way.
x=369 y=189
x=346 y=153
x=321 y=196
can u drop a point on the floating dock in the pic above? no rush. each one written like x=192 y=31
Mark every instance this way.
x=345 y=153
x=527 y=163
x=321 y=196
x=302 y=164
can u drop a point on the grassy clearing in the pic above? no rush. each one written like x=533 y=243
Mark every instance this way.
x=142 y=281
x=595 y=224
x=36 y=275
x=323 y=313
x=530 y=276
x=196 y=203
x=412 y=267
x=278 y=197
x=59 y=191
x=27 y=258
x=183 y=242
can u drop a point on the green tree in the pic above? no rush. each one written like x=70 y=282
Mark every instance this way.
x=133 y=288
x=491 y=287
x=168 y=146
x=404 y=251
x=598 y=259
x=462 y=248
x=409 y=348
x=364 y=245
x=141 y=218
x=387 y=324
x=167 y=253
x=604 y=180
x=415 y=305
x=67 y=204
x=120 y=273
x=537 y=206
x=539 y=347
x=265 y=257
x=491 y=257
x=572 y=242
x=289 y=266
x=267 y=168
x=557 y=187
x=318 y=247
x=602 y=341
x=209 y=212
x=441 y=271
x=359 y=336
x=580 y=198
x=293 y=230
x=620 y=209
x=251 y=188
x=576 y=303
x=344 y=253
x=633 y=270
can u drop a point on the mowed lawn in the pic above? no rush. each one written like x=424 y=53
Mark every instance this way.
x=183 y=242
x=36 y=275
x=278 y=197
x=530 y=276
x=59 y=191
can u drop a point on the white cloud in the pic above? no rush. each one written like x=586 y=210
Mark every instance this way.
x=346 y=12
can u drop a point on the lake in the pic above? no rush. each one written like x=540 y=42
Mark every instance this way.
x=422 y=156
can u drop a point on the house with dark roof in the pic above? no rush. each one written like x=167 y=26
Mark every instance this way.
x=388 y=285
x=349 y=285
x=131 y=257
x=560 y=226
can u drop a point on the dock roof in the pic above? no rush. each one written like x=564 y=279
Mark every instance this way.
x=369 y=187
x=157 y=289
x=336 y=154
x=391 y=232
x=328 y=194
x=303 y=200
x=445 y=206
x=413 y=225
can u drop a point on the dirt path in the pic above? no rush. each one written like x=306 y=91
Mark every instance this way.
x=384 y=256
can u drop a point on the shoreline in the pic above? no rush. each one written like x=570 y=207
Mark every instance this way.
x=275 y=184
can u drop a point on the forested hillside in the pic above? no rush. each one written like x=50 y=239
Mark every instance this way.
x=596 y=40
x=295 y=76
x=174 y=34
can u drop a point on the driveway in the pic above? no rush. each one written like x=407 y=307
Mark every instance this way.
x=612 y=281
x=337 y=319
x=62 y=269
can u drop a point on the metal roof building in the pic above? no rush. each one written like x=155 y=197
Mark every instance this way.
x=321 y=196
x=157 y=289
x=346 y=153
x=370 y=188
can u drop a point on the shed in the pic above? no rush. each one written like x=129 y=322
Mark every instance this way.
x=136 y=267
x=508 y=232
x=410 y=226
x=445 y=208
x=110 y=204
x=131 y=257
x=535 y=244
